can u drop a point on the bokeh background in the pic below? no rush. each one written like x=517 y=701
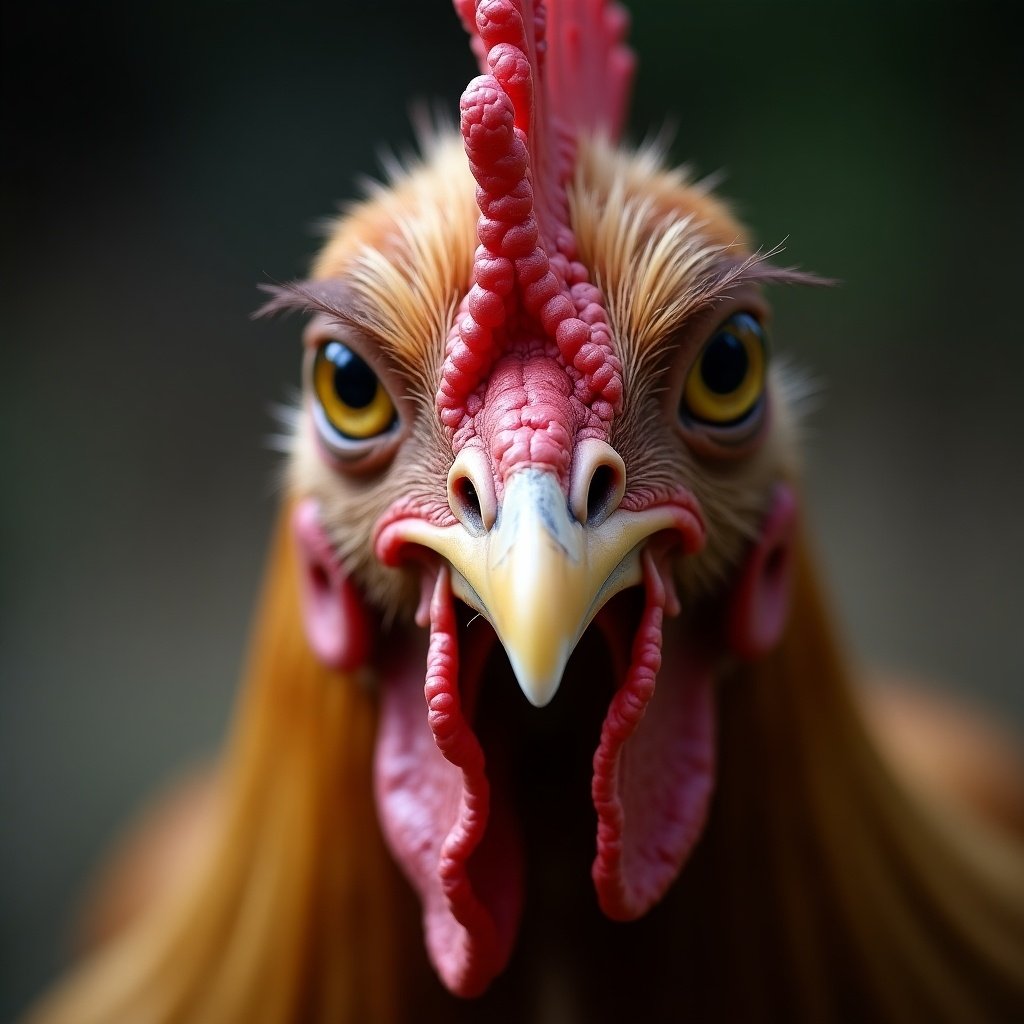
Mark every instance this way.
x=161 y=159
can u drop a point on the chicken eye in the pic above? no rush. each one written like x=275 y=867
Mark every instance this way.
x=353 y=400
x=727 y=380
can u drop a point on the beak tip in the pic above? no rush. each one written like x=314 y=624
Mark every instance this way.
x=539 y=697
x=538 y=688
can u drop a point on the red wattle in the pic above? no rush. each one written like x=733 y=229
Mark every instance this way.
x=653 y=769
x=434 y=802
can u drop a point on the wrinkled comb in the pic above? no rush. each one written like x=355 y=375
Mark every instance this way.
x=544 y=82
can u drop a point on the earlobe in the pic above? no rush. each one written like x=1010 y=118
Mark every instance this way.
x=759 y=605
x=337 y=621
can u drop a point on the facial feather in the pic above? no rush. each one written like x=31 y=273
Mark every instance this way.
x=665 y=253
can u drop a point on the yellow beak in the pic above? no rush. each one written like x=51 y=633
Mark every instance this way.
x=539 y=576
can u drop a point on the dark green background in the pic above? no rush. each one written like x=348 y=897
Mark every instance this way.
x=161 y=159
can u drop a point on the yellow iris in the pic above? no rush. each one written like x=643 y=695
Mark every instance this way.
x=727 y=380
x=351 y=395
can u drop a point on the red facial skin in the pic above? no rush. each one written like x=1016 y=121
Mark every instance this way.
x=338 y=624
x=530 y=293
x=653 y=768
x=530 y=379
x=459 y=844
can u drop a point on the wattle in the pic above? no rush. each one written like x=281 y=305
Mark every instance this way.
x=459 y=842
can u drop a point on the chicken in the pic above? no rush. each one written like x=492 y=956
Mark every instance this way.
x=541 y=601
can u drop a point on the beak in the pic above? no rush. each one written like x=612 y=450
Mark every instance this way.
x=543 y=579
x=538 y=575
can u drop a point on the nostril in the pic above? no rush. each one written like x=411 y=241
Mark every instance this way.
x=604 y=485
x=598 y=482
x=471 y=491
x=468 y=509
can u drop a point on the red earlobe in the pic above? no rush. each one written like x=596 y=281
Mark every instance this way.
x=760 y=603
x=338 y=624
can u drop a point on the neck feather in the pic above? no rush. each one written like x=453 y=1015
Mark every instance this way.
x=820 y=890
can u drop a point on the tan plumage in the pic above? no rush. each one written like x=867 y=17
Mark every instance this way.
x=820 y=890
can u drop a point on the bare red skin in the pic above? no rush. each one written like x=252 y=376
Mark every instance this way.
x=459 y=847
x=589 y=70
x=529 y=416
x=338 y=623
x=434 y=802
x=652 y=795
x=528 y=289
x=760 y=600
x=530 y=370
x=434 y=513
x=653 y=769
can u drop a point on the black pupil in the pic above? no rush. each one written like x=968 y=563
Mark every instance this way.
x=725 y=364
x=354 y=382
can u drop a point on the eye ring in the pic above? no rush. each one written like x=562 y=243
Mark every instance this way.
x=352 y=408
x=726 y=383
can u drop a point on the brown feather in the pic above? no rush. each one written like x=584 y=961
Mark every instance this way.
x=820 y=889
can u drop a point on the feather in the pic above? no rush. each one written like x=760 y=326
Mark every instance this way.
x=535 y=320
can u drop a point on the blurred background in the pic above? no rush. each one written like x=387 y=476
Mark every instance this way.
x=161 y=159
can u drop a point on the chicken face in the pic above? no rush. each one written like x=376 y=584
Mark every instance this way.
x=535 y=412
x=681 y=509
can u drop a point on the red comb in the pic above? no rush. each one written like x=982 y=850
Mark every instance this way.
x=520 y=121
